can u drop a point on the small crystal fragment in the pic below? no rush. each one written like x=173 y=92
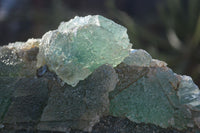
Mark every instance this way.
x=138 y=58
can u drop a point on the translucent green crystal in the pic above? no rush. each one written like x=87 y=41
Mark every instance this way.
x=79 y=46
x=138 y=58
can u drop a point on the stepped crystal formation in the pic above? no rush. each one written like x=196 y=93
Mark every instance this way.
x=136 y=87
x=80 y=46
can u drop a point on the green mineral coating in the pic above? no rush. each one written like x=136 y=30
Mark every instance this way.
x=9 y=73
x=6 y=90
x=152 y=98
x=81 y=45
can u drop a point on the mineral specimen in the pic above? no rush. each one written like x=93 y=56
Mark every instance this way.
x=79 y=46
x=138 y=88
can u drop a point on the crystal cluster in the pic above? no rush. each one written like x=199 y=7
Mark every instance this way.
x=80 y=46
x=134 y=86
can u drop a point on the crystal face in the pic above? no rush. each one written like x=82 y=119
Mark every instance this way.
x=79 y=46
x=138 y=58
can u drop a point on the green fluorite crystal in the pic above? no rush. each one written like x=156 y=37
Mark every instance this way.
x=139 y=88
x=138 y=58
x=79 y=46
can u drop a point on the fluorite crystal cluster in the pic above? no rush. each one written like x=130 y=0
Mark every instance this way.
x=114 y=81
x=80 y=46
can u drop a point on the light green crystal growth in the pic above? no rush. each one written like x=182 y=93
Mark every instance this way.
x=138 y=58
x=79 y=46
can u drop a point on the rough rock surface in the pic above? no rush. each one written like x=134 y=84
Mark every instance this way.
x=79 y=107
x=110 y=124
x=151 y=95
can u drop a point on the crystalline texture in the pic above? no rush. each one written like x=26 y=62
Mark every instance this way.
x=79 y=46
x=189 y=93
x=155 y=94
x=138 y=58
x=142 y=89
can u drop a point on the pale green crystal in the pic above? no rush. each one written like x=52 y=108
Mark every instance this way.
x=79 y=46
x=138 y=58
